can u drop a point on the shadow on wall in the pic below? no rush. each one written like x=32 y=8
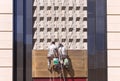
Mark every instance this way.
x=64 y=71
x=69 y=71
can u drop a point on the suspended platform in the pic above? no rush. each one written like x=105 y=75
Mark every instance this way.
x=78 y=62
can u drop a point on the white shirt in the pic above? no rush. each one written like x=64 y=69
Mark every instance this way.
x=62 y=51
x=51 y=50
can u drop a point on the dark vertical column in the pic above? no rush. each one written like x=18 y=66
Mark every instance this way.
x=28 y=40
x=18 y=41
x=91 y=9
x=97 y=56
x=22 y=41
x=101 y=54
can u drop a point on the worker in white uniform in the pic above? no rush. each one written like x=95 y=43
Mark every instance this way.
x=52 y=52
x=63 y=57
x=62 y=51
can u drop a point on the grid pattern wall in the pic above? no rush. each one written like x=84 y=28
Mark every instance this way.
x=6 y=36
x=113 y=37
x=62 y=21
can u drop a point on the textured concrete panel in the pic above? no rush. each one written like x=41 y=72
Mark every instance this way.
x=61 y=21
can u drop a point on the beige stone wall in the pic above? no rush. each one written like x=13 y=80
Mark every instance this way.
x=6 y=39
x=77 y=59
x=113 y=39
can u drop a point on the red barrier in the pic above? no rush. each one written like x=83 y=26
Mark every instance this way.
x=57 y=79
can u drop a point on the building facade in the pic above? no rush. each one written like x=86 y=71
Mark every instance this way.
x=6 y=40
x=16 y=40
x=113 y=32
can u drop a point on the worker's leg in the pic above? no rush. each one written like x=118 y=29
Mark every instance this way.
x=50 y=58
x=49 y=62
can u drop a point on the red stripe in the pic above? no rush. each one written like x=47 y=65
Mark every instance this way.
x=68 y=79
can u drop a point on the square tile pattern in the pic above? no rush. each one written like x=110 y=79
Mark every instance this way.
x=61 y=21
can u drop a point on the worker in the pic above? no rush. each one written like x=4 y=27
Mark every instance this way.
x=52 y=53
x=63 y=55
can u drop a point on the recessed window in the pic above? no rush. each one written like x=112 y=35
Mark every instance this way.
x=85 y=8
x=41 y=40
x=63 y=40
x=48 y=18
x=85 y=40
x=77 y=29
x=63 y=18
x=41 y=29
x=56 y=18
x=48 y=29
x=77 y=40
x=85 y=19
x=63 y=29
x=85 y=29
x=49 y=8
x=56 y=8
x=41 y=18
x=70 y=18
x=70 y=40
x=48 y=40
x=41 y=7
x=70 y=8
x=56 y=40
x=56 y=29
x=70 y=29
x=78 y=8
x=77 y=18
x=63 y=7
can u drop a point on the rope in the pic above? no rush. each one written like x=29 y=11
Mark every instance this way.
x=52 y=60
x=50 y=73
x=58 y=37
x=53 y=73
x=73 y=22
x=62 y=69
x=61 y=61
